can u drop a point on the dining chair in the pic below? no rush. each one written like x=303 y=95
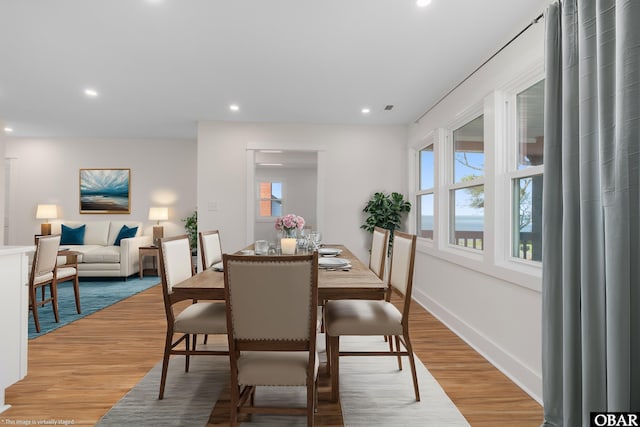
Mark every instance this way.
x=271 y=319
x=196 y=318
x=379 y=245
x=210 y=253
x=210 y=248
x=378 y=261
x=376 y=317
x=68 y=271
x=43 y=275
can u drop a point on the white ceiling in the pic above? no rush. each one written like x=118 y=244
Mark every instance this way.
x=161 y=66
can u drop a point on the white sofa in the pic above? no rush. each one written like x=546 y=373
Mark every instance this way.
x=99 y=257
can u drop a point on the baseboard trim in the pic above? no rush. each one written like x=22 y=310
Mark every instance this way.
x=529 y=381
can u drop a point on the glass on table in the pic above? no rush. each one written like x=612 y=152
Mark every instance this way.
x=315 y=237
x=273 y=249
x=303 y=239
x=261 y=247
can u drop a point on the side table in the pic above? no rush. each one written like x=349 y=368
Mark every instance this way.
x=151 y=251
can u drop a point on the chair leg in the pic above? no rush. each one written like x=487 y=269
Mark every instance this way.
x=412 y=362
x=186 y=357
x=34 y=308
x=76 y=292
x=312 y=400
x=310 y=403
x=327 y=349
x=165 y=363
x=398 y=348
x=234 y=391
x=54 y=297
x=334 y=343
x=315 y=403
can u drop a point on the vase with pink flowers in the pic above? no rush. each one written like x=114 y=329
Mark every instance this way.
x=289 y=226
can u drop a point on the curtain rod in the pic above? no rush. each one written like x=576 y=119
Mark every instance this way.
x=535 y=21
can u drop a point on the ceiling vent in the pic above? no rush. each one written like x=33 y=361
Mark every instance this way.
x=388 y=107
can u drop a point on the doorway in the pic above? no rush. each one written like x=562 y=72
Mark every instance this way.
x=284 y=182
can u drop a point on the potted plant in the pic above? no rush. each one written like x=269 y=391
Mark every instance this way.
x=386 y=211
x=191 y=227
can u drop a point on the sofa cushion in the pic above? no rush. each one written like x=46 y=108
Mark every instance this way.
x=125 y=233
x=72 y=236
x=97 y=233
x=100 y=254
x=116 y=226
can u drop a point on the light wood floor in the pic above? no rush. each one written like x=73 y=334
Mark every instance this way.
x=79 y=371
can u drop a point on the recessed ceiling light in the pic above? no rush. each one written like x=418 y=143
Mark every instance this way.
x=423 y=3
x=366 y=110
x=8 y=130
x=234 y=107
x=91 y=93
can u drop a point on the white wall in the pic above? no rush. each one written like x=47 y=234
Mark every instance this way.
x=2 y=183
x=163 y=173
x=353 y=163
x=491 y=302
x=299 y=196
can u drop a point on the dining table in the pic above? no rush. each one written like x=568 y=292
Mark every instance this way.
x=353 y=282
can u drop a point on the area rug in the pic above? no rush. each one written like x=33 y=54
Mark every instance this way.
x=95 y=294
x=373 y=393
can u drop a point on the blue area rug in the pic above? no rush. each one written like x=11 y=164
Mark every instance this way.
x=95 y=294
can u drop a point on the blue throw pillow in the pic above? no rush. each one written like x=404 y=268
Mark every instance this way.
x=72 y=236
x=125 y=233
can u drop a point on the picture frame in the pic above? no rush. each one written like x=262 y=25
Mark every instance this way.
x=105 y=191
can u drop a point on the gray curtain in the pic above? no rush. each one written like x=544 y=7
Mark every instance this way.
x=591 y=211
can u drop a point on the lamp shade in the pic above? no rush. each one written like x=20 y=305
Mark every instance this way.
x=159 y=214
x=47 y=212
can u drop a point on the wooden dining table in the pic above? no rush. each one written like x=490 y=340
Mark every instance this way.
x=357 y=282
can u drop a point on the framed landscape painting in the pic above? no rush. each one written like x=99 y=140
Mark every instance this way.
x=105 y=191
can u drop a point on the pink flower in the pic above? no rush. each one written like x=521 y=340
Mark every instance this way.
x=289 y=222
x=300 y=222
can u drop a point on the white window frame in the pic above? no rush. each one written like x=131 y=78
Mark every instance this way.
x=428 y=141
x=260 y=218
x=500 y=154
x=512 y=173
x=464 y=118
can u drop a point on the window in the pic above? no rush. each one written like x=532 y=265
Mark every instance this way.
x=467 y=191
x=270 y=199
x=425 y=195
x=527 y=175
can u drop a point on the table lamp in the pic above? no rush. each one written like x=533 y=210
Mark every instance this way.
x=46 y=212
x=158 y=214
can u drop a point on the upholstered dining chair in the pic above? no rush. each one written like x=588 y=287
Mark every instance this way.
x=376 y=317
x=68 y=272
x=378 y=260
x=210 y=252
x=194 y=319
x=210 y=248
x=271 y=319
x=43 y=275
x=379 y=245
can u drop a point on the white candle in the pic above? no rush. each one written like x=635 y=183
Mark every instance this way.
x=288 y=246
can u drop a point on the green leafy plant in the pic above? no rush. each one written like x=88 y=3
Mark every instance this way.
x=386 y=211
x=191 y=227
